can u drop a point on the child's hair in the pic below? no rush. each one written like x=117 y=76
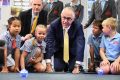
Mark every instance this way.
x=112 y=22
x=40 y=26
x=11 y=19
x=98 y=23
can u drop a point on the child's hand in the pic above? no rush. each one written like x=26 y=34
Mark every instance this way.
x=32 y=60
x=4 y=69
x=16 y=69
x=91 y=67
x=28 y=36
x=104 y=63
x=115 y=66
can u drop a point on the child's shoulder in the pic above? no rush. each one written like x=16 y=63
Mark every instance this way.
x=29 y=41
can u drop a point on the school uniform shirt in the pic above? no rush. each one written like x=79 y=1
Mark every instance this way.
x=111 y=46
x=8 y=41
x=95 y=43
x=31 y=49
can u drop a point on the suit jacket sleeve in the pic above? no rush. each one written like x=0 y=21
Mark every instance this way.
x=60 y=8
x=92 y=16
x=50 y=42
x=80 y=44
x=113 y=5
x=81 y=13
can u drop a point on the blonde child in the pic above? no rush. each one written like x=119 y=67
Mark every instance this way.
x=33 y=51
x=110 y=47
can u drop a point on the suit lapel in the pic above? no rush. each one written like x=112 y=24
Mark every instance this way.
x=98 y=7
x=54 y=4
x=105 y=7
x=29 y=18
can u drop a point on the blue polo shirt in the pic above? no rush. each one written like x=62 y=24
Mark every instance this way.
x=111 y=46
x=95 y=43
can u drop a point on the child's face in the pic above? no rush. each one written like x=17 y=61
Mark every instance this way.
x=96 y=31
x=15 y=27
x=40 y=33
x=106 y=29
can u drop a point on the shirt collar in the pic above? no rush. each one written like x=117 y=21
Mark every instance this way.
x=33 y=15
x=98 y=36
x=10 y=37
x=66 y=28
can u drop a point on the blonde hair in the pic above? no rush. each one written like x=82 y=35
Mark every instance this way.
x=40 y=26
x=112 y=22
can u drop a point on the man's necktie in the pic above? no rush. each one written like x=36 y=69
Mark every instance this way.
x=14 y=45
x=66 y=46
x=34 y=24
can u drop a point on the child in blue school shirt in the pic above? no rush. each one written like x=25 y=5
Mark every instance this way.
x=12 y=45
x=32 y=51
x=110 y=47
x=94 y=41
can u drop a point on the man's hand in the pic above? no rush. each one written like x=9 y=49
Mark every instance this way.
x=49 y=67
x=76 y=69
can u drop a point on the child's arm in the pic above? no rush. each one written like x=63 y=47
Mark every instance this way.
x=102 y=54
x=39 y=58
x=22 y=59
x=5 y=69
x=104 y=58
x=91 y=65
x=91 y=54
x=17 y=58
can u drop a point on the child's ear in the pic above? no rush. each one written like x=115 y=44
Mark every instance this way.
x=109 y=27
x=7 y=26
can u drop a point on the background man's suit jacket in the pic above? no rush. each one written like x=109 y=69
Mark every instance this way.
x=54 y=12
x=97 y=13
x=26 y=17
x=79 y=11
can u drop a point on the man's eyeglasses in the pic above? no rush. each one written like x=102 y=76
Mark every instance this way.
x=67 y=18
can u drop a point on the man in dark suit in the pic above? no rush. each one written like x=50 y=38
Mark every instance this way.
x=102 y=9
x=54 y=9
x=78 y=7
x=27 y=16
x=55 y=42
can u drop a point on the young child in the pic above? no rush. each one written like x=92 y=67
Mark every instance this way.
x=94 y=41
x=12 y=45
x=33 y=51
x=110 y=47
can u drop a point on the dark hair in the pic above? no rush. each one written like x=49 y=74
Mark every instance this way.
x=98 y=23
x=11 y=19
